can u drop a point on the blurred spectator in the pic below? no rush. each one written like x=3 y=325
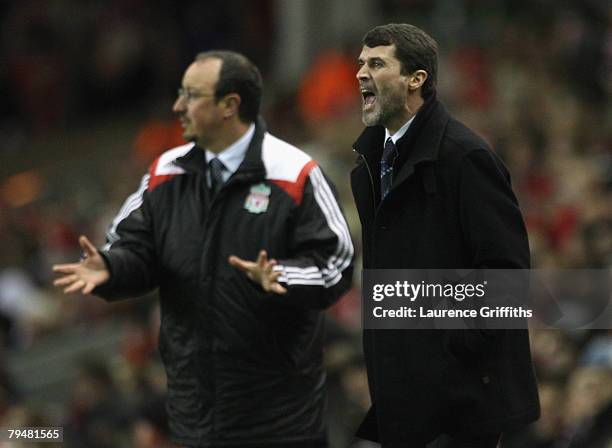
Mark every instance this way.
x=588 y=410
x=97 y=415
x=554 y=353
x=546 y=431
x=24 y=308
x=329 y=88
x=598 y=351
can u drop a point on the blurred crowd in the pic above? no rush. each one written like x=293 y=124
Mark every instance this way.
x=532 y=77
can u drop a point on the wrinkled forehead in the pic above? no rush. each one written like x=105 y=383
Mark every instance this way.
x=384 y=52
x=203 y=74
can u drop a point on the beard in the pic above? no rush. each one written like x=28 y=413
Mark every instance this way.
x=387 y=107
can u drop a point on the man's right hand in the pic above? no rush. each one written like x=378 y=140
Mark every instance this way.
x=85 y=275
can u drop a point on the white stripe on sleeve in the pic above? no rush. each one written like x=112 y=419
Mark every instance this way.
x=131 y=203
x=341 y=259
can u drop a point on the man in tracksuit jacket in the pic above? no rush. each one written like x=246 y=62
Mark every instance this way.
x=243 y=236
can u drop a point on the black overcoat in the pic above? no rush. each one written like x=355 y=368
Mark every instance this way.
x=450 y=206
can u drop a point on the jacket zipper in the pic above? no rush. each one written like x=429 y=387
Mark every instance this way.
x=241 y=177
x=371 y=178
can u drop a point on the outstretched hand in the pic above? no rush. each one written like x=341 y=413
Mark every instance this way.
x=260 y=271
x=85 y=275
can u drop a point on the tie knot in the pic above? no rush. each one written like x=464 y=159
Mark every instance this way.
x=390 y=151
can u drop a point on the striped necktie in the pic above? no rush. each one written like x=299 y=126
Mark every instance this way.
x=386 y=167
x=216 y=175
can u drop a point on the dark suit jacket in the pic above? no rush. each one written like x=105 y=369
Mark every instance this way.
x=450 y=206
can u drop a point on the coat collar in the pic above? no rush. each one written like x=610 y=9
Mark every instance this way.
x=423 y=136
x=252 y=165
x=420 y=143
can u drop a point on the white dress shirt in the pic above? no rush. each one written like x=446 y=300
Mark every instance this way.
x=233 y=155
x=400 y=132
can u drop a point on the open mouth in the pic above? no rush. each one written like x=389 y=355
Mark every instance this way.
x=369 y=98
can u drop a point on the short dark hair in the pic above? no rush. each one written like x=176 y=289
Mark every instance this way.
x=414 y=48
x=238 y=75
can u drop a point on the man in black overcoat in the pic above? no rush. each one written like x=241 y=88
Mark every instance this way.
x=432 y=195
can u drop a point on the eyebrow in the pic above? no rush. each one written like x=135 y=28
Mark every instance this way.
x=371 y=59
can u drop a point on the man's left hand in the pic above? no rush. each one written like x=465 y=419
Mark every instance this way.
x=260 y=271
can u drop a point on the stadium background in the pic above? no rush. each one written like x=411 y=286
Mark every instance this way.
x=87 y=88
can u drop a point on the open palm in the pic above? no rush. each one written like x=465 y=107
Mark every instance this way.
x=85 y=275
x=260 y=271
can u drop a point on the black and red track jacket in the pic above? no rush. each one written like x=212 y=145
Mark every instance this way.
x=243 y=366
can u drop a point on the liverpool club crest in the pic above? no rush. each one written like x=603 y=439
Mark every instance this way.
x=258 y=199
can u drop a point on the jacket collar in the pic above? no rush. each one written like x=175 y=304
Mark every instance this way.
x=252 y=165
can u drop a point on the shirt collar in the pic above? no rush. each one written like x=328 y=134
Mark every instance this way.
x=400 y=132
x=233 y=155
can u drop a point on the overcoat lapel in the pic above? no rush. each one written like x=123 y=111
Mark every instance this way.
x=422 y=140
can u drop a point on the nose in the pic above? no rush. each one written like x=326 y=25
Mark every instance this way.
x=179 y=105
x=362 y=73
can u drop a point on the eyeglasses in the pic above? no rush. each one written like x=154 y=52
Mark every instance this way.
x=190 y=95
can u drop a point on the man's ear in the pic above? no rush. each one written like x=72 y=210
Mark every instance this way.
x=231 y=105
x=417 y=79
